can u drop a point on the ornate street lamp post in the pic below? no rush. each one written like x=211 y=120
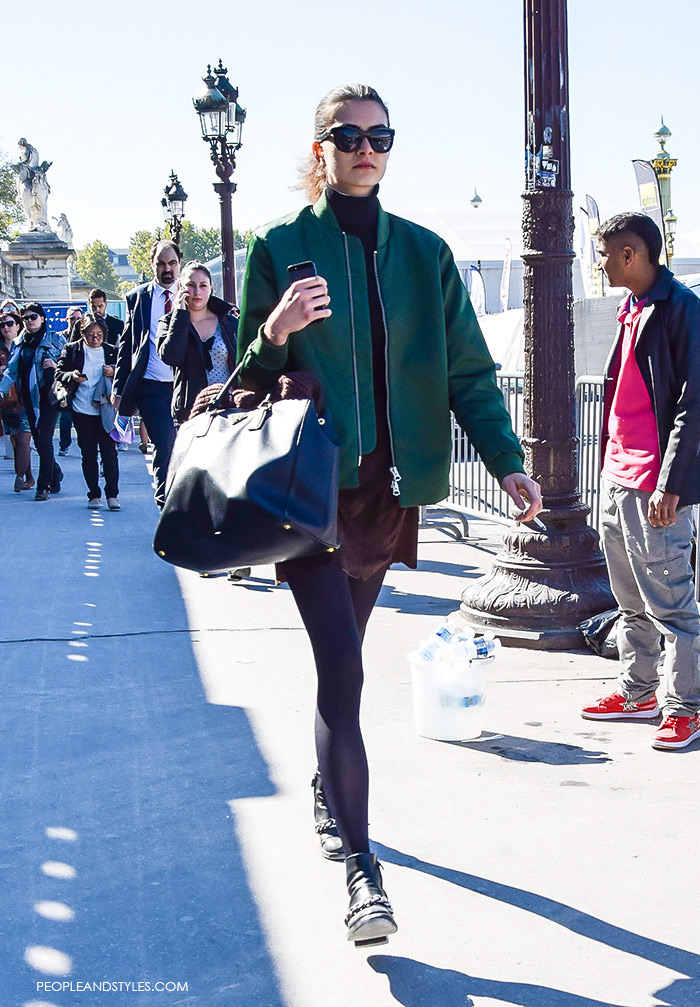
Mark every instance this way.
x=221 y=119
x=663 y=164
x=544 y=583
x=670 y=221
x=173 y=203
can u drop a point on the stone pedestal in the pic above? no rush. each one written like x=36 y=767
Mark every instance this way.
x=44 y=260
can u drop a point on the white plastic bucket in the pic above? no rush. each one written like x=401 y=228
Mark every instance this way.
x=448 y=698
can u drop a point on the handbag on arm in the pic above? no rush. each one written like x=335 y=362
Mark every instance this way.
x=250 y=486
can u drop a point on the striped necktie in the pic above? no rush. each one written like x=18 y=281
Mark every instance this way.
x=168 y=302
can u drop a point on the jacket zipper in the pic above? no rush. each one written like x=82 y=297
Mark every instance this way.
x=354 y=356
x=395 y=476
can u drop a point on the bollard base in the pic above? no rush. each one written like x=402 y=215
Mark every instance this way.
x=542 y=585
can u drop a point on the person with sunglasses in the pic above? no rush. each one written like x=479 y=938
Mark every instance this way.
x=12 y=415
x=31 y=369
x=85 y=371
x=388 y=330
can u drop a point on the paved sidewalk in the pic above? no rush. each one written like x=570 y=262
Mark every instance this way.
x=157 y=827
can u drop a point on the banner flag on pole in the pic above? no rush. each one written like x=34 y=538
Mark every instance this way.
x=505 y=275
x=478 y=292
x=586 y=260
x=593 y=223
x=650 y=199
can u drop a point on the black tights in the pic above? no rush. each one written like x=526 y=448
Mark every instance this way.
x=335 y=609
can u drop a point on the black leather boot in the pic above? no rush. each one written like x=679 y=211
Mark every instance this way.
x=326 y=829
x=370 y=918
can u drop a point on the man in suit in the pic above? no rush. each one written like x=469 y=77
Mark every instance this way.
x=97 y=300
x=142 y=381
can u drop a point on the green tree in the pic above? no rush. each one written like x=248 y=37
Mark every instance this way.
x=201 y=243
x=125 y=286
x=94 y=265
x=11 y=211
x=139 y=254
x=196 y=243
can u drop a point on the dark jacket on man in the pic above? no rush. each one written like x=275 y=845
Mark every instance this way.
x=667 y=351
x=180 y=346
x=134 y=347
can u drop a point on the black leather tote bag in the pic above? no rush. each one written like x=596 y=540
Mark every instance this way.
x=247 y=487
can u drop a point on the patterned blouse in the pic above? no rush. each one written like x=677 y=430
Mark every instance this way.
x=220 y=369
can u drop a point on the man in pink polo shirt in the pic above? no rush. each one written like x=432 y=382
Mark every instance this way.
x=651 y=476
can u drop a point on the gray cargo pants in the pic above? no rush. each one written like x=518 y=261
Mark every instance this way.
x=652 y=580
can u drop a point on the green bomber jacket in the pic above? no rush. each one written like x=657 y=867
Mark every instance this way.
x=436 y=357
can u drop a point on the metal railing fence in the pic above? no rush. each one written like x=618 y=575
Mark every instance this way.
x=474 y=491
x=589 y=424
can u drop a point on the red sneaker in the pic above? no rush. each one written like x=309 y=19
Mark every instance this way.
x=616 y=707
x=677 y=732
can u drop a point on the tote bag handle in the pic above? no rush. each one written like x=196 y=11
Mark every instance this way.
x=215 y=403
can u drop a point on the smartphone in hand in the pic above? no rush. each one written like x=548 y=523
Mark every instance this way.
x=303 y=271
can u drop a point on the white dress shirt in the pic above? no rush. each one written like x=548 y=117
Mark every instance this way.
x=85 y=392
x=156 y=369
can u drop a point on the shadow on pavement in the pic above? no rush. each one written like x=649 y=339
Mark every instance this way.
x=416 y=984
x=448 y=569
x=118 y=844
x=552 y=753
x=122 y=777
x=416 y=604
x=411 y=977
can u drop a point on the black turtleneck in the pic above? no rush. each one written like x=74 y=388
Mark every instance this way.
x=358 y=215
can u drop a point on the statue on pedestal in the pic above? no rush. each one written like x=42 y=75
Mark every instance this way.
x=32 y=186
x=64 y=230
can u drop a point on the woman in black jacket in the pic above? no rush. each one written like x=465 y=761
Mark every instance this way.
x=85 y=369
x=197 y=338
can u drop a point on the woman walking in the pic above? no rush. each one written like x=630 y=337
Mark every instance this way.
x=197 y=338
x=12 y=415
x=395 y=345
x=31 y=370
x=85 y=370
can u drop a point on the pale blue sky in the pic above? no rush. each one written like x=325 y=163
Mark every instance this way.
x=104 y=91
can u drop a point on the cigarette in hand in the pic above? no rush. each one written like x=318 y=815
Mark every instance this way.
x=533 y=520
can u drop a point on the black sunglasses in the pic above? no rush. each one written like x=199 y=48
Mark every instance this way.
x=348 y=138
x=29 y=318
x=5 y=324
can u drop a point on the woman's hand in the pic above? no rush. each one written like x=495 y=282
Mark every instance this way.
x=518 y=486
x=180 y=299
x=108 y=370
x=48 y=363
x=78 y=377
x=303 y=302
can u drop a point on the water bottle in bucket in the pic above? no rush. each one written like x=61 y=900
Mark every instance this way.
x=449 y=685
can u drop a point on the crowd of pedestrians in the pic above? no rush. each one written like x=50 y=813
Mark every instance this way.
x=387 y=330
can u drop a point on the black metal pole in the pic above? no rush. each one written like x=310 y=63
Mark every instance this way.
x=224 y=159
x=224 y=191
x=544 y=583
